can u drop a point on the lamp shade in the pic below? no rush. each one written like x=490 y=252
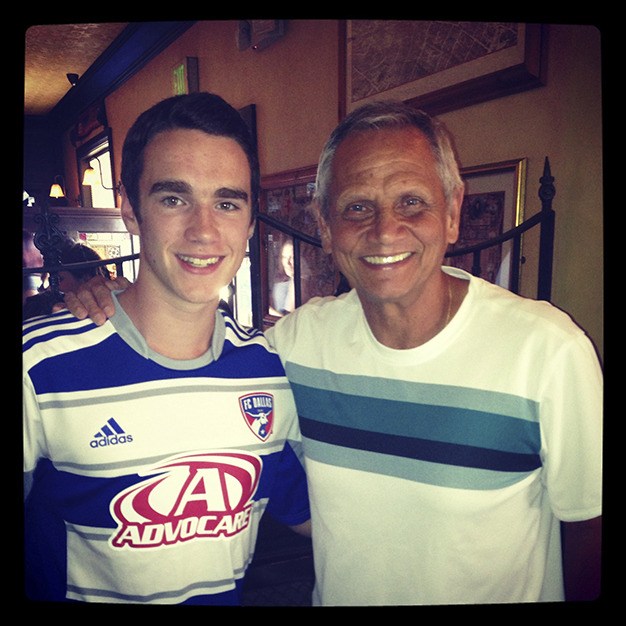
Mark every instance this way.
x=56 y=191
x=90 y=177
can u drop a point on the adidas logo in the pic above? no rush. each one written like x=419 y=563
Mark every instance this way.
x=110 y=434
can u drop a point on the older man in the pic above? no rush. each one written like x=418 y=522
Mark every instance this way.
x=448 y=424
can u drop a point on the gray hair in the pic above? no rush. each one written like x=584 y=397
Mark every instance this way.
x=383 y=115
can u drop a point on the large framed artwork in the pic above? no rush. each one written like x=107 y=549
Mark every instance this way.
x=492 y=205
x=439 y=66
x=287 y=197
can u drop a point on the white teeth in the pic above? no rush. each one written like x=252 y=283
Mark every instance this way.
x=385 y=260
x=192 y=260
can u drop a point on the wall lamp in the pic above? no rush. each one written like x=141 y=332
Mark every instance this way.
x=90 y=178
x=56 y=190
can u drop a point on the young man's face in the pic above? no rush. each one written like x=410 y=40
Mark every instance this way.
x=195 y=207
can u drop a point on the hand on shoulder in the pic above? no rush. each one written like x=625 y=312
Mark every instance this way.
x=94 y=300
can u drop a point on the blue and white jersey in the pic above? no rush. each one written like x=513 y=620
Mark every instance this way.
x=146 y=476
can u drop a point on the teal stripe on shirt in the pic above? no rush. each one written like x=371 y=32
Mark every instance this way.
x=449 y=395
x=403 y=429
x=438 y=412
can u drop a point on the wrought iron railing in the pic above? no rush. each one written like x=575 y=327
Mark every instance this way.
x=545 y=218
x=48 y=239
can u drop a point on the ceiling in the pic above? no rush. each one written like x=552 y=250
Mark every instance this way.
x=56 y=50
x=102 y=54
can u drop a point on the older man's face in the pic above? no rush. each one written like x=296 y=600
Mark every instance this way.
x=389 y=225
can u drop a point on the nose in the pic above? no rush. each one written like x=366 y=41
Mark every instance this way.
x=386 y=227
x=202 y=226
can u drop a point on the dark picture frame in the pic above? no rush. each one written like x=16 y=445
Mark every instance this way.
x=493 y=204
x=437 y=53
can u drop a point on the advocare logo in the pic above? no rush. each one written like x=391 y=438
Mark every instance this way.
x=197 y=496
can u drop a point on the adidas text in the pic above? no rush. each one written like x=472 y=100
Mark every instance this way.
x=113 y=440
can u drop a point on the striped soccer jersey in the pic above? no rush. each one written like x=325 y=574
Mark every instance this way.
x=147 y=477
x=437 y=475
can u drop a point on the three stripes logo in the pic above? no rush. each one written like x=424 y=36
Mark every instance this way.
x=111 y=434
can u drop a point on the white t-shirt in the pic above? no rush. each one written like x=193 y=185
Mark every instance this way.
x=437 y=475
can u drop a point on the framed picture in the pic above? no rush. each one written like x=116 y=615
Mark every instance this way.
x=439 y=66
x=287 y=197
x=493 y=204
x=185 y=77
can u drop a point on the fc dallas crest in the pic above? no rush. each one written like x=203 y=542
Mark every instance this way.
x=258 y=411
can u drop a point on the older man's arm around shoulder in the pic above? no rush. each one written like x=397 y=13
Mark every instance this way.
x=93 y=299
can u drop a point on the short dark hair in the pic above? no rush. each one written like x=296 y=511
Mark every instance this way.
x=197 y=111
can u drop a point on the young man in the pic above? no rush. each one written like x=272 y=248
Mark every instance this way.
x=154 y=443
x=452 y=430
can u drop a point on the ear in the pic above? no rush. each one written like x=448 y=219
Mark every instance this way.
x=324 y=229
x=454 y=216
x=128 y=215
x=251 y=228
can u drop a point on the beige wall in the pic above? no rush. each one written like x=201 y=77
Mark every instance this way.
x=563 y=121
x=294 y=84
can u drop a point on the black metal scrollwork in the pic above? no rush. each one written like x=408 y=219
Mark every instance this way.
x=49 y=241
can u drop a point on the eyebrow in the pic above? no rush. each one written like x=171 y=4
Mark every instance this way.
x=180 y=186
x=237 y=194
x=175 y=186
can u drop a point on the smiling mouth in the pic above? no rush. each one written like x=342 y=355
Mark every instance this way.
x=196 y=262
x=387 y=260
